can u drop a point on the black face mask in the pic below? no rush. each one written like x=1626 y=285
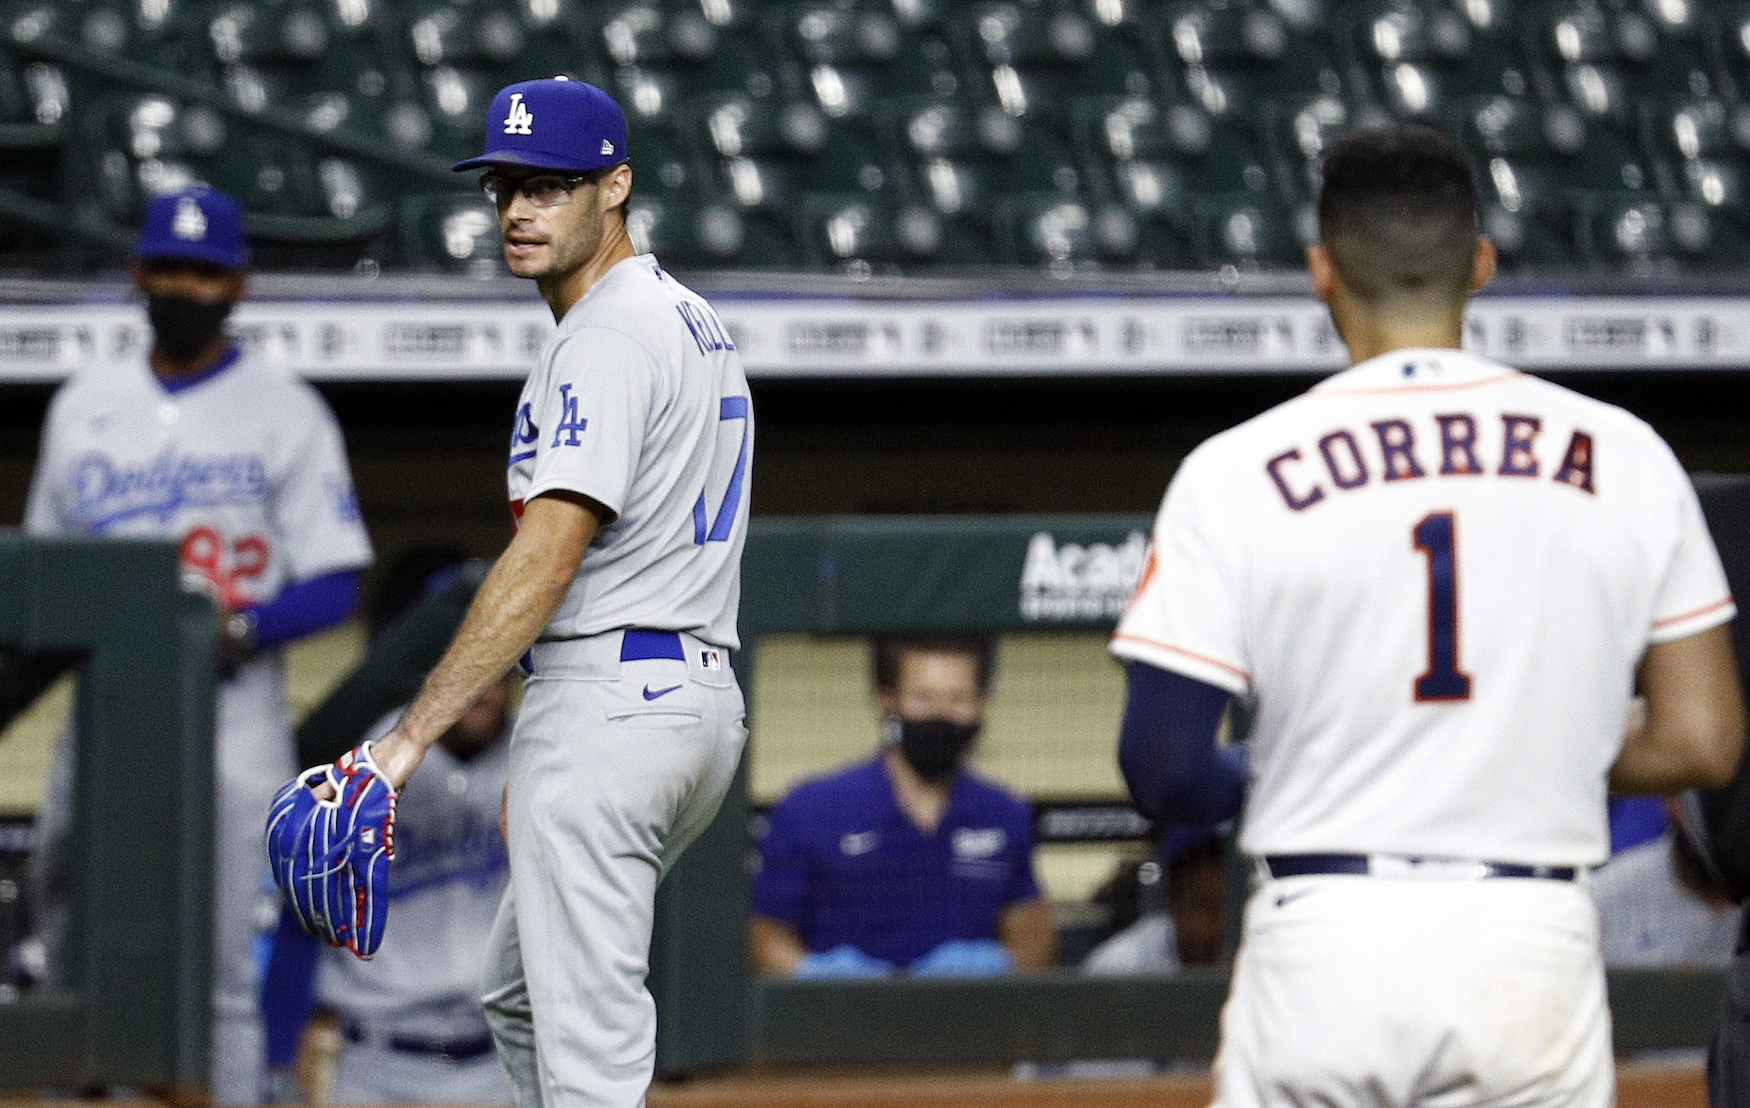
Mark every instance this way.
x=933 y=747
x=185 y=327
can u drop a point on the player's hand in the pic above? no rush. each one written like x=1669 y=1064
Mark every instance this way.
x=398 y=756
x=965 y=958
x=842 y=961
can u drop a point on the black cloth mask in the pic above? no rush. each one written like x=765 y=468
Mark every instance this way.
x=933 y=747
x=185 y=327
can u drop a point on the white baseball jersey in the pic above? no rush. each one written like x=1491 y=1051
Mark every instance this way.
x=640 y=403
x=445 y=884
x=1434 y=577
x=245 y=470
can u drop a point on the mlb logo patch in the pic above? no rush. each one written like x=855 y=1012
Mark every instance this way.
x=711 y=660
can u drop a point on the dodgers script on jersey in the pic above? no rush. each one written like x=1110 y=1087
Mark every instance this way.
x=245 y=471
x=640 y=403
x=1434 y=576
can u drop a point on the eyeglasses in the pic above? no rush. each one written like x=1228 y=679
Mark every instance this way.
x=544 y=190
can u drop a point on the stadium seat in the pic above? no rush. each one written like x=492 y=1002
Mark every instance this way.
x=1602 y=60
x=1647 y=236
x=856 y=55
x=1420 y=56
x=1703 y=146
x=839 y=228
x=687 y=232
x=35 y=104
x=1303 y=129
x=1237 y=55
x=457 y=234
x=1032 y=53
x=1250 y=233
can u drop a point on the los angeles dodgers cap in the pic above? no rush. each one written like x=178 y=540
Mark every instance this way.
x=201 y=224
x=555 y=123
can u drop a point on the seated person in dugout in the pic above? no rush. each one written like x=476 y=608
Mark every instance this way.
x=908 y=861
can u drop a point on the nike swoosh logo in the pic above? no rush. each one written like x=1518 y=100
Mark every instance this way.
x=649 y=695
x=1288 y=898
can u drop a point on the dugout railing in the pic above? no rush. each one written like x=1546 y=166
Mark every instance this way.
x=134 y=1007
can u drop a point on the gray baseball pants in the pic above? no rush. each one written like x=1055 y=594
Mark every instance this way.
x=616 y=765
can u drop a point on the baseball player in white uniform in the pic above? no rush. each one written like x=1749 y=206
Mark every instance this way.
x=411 y=1027
x=628 y=478
x=242 y=465
x=1437 y=581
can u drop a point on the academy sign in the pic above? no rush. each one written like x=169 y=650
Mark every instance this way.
x=1070 y=582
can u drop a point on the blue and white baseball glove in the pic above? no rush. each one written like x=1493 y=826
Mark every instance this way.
x=331 y=857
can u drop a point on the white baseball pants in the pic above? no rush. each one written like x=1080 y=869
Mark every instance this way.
x=615 y=767
x=1437 y=993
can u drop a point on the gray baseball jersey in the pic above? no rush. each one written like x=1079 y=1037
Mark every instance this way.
x=1647 y=918
x=246 y=470
x=641 y=404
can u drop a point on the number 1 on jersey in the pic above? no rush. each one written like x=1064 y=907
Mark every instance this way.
x=1434 y=536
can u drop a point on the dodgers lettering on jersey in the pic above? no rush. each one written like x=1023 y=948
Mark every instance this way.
x=1434 y=576
x=641 y=404
x=246 y=471
x=445 y=884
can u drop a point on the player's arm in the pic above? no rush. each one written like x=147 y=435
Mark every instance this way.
x=1025 y=930
x=773 y=946
x=1168 y=753
x=515 y=602
x=1693 y=730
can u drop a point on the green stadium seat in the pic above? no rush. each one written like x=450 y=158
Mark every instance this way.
x=1704 y=148
x=1236 y=56
x=665 y=54
x=453 y=233
x=36 y=104
x=1033 y=53
x=1604 y=60
x=690 y=232
x=1302 y=130
x=1645 y=236
x=841 y=228
x=1422 y=55
x=855 y=55
x=1250 y=233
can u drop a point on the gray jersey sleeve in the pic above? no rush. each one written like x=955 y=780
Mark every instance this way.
x=315 y=510
x=592 y=416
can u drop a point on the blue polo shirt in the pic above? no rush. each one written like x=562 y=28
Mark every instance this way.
x=842 y=864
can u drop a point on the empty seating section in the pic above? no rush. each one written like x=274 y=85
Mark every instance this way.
x=892 y=135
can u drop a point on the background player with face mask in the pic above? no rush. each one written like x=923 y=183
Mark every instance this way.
x=907 y=860
x=242 y=465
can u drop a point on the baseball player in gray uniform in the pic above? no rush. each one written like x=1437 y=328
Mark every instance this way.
x=628 y=480
x=242 y=465
x=410 y=1022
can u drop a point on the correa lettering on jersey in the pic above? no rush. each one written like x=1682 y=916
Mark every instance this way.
x=707 y=330
x=1395 y=449
x=106 y=491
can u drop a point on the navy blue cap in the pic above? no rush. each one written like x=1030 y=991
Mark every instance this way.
x=200 y=224
x=555 y=123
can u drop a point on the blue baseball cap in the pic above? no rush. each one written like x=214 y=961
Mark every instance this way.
x=200 y=224
x=554 y=123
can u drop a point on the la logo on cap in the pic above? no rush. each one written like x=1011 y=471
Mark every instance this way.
x=190 y=222
x=520 y=119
